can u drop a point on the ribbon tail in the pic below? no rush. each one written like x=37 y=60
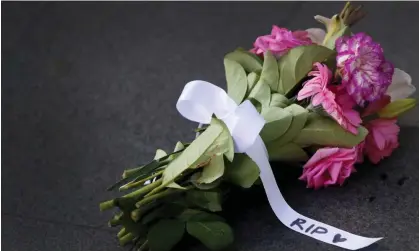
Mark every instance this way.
x=294 y=220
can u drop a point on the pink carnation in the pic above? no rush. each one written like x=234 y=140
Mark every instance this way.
x=280 y=41
x=382 y=139
x=376 y=106
x=360 y=152
x=337 y=104
x=329 y=166
x=365 y=72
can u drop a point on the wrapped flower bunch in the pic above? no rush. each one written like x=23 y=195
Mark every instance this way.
x=325 y=99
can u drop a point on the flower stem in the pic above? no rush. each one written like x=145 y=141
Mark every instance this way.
x=135 y=171
x=115 y=221
x=160 y=195
x=144 y=246
x=140 y=182
x=144 y=189
x=129 y=172
x=124 y=240
x=121 y=232
x=107 y=205
x=136 y=214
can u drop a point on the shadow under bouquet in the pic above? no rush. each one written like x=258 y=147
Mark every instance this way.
x=322 y=99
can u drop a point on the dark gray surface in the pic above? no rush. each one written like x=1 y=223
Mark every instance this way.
x=89 y=89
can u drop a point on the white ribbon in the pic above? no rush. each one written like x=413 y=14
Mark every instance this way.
x=200 y=100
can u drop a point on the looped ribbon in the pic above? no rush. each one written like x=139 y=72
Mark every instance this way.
x=200 y=100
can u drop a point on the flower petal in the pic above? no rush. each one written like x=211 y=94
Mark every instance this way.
x=280 y=41
x=321 y=154
x=329 y=166
x=401 y=85
x=316 y=35
x=324 y=20
x=379 y=139
x=364 y=70
x=382 y=139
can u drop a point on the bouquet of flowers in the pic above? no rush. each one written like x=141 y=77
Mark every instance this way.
x=324 y=99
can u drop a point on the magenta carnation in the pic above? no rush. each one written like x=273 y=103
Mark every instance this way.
x=365 y=72
x=280 y=41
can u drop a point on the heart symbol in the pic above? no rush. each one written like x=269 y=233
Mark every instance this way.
x=338 y=238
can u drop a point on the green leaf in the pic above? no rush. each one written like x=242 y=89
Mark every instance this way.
x=256 y=104
x=192 y=156
x=213 y=171
x=209 y=200
x=142 y=170
x=270 y=71
x=224 y=143
x=290 y=152
x=160 y=154
x=278 y=121
x=252 y=79
x=167 y=210
x=216 y=139
x=214 y=235
x=136 y=174
x=203 y=186
x=243 y=171
x=197 y=215
x=298 y=62
x=165 y=234
x=396 y=108
x=236 y=80
x=175 y=185
x=261 y=92
x=297 y=124
x=324 y=131
x=249 y=61
x=179 y=146
x=330 y=42
x=279 y=100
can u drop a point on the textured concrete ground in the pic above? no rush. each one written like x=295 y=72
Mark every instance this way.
x=89 y=89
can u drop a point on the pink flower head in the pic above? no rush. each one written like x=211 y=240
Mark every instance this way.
x=329 y=166
x=338 y=105
x=280 y=41
x=360 y=152
x=321 y=78
x=382 y=139
x=365 y=72
x=376 y=106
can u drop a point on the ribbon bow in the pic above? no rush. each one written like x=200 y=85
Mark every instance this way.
x=200 y=100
